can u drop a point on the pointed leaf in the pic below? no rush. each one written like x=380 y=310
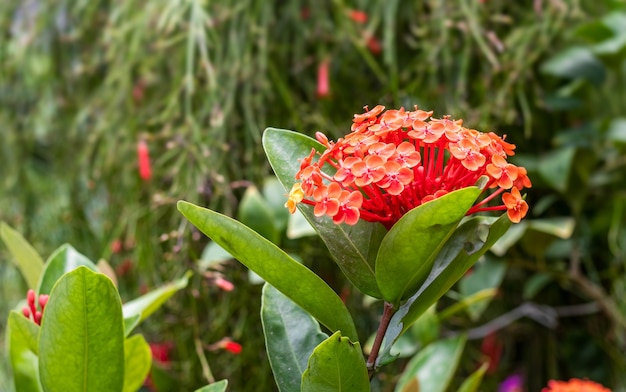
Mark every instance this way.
x=219 y=386
x=291 y=335
x=81 y=343
x=291 y=278
x=22 y=348
x=472 y=383
x=468 y=243
x=336 y=364
x=354 y=248
x=25 y=256
x=137 y=362
x=408 y=251
x=130 y=323
x=62 y=260
x=434 y=366
x=151 y=301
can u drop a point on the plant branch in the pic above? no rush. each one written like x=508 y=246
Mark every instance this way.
x=380 y=334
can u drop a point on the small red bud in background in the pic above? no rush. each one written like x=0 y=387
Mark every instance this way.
x=374 y=45
x=358 y=16
x=323 y=85
x=26 y=312
x=224 y=284
x=232 y=347
x=143 y=159
x=43 y=300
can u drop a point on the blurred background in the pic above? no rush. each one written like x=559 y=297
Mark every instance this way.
x=111 y=111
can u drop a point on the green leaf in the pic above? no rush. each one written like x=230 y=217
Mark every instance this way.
x=130 y=323
x=574 y=63
x=151 y=301
x=466 y=245
x=408 y=251
x=354 y=248
x=22 y=347
x=485 y=275
x=298 y=226
x=81 y=343
x=291 y=335
x=62 y=260
x=336 y=364
x=291 y=278
x=434 y=366
x=137 y=362
x=25 y=256
x=219 y=386
x=275 y=196
x=257 y=214
x=555 y=168
x=472 y=383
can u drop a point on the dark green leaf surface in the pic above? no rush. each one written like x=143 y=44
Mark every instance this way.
x=485 y=275
x=24 y=255
x=291 y=335
x=23 y=348
x=408 y=251
x=291 y=278
x=137 y=362
x=336 y=365
x=434 y=366
x=354 y=248
x=470 y=241
x=81 y=343
x=62 y=260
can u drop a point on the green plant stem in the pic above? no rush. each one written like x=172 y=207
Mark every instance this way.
x=388 y=312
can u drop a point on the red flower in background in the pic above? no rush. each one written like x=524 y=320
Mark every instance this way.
x=396 y=160
x=358 y=16
x=323 y=84
x=574 y=385
x=492 y=347
x=143 y=159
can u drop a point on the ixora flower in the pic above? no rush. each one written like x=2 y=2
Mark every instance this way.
x=30 y=311
x=396 y=160
x=574 y=385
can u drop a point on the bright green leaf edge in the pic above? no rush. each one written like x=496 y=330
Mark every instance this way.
x=409 y=249
x=137 y=362
x=219 y=386
x=291 y=278
x=25 y=256
x=353 y=248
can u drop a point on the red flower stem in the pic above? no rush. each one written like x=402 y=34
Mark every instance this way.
x=388 y=312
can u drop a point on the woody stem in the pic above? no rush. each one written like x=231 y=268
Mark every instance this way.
x=378 y=340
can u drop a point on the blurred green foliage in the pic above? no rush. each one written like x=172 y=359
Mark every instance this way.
x=82 y=82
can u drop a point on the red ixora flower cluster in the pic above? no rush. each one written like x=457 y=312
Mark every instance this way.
x=30 y=311
x=574 y=385
x=396 y=160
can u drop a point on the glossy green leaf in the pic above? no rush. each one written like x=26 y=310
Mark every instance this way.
x=556 y=166
x=257 y=214
x=354 y=248
x=151 y=301
x=408 y=251
x=434 y=366
x=137 y=362
x=467 y=244
x=472 y=383
x=291 y=335
x=22 y=347
x=291 y=278
x=219 y=386
x=81 y=343
x=336 y=364
x=485 y=275
x=24 y=255
x=62 y=260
